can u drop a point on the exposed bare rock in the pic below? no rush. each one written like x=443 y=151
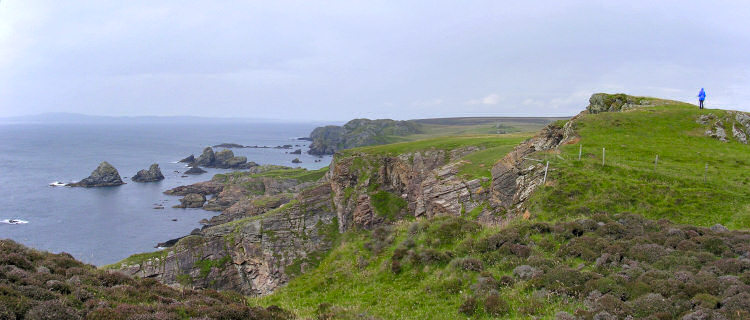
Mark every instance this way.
x=717 y=132
x=151 y=175
x=251 y=256
x=192 y=200
x=517 y=175
x=205 y=188
x=739 y=134
x=105 y=175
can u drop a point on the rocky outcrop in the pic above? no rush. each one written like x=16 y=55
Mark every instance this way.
x=195 y=170
x=718 y=126
x=223 y=159
x=252 y=256
x=188 y=159
x=427 y=182
x=192 y=200
x=296 y=160
x=105 y=175
x=357 y=133
x=228 y=145
x=205 y=188
x=518 y=174
x=603 y=102
x=152 y=174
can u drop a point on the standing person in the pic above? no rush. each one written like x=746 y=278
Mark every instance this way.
x=701 y=97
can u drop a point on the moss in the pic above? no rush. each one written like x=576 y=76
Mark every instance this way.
x=206 y=265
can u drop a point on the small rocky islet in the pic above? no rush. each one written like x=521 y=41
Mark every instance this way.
x=105 y=175
x=153 y=174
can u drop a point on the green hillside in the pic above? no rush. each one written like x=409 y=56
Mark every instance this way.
x=627 y=238
x=698 y=180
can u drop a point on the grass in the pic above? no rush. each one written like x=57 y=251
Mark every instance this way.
x=136 y=259
x=387 y=205
x=441 y=143
x=679 y=188
x=299 y=174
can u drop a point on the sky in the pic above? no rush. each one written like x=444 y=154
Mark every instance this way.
x=338 y=60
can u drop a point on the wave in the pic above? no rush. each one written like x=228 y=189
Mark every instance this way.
x=14 y=221
x=56 y=184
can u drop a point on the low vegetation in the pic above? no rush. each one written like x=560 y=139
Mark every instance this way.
x=451 y=267
x=41 y=285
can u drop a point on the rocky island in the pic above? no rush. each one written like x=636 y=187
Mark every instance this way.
x=105 y=175
x=224 y=159
x=151 y=175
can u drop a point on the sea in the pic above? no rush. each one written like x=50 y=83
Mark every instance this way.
x=104 y=225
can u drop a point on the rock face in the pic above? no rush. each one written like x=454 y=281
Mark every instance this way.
x=357 y=133
x=152 y=174
x=223 y=159
x=517 y=175
x=252 y=256
x=105 y=175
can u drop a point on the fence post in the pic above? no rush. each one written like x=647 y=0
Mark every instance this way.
x=545 y=173
x=580 y=149
x=603 y=153
x=656 y=162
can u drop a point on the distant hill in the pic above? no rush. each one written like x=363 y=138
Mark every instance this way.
x=76 y=118
x=365 y=132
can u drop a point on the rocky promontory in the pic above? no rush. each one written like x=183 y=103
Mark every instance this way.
x=151 y=175
x=224 y=159
x=105 y=175
x=358 y=133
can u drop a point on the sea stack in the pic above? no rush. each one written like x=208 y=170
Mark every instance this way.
x=105 y=175
x=151 y=175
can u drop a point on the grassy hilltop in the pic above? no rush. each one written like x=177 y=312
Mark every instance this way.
x=624 y=238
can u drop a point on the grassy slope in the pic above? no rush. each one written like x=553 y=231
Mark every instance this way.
x=356 y=277
x=675 y=189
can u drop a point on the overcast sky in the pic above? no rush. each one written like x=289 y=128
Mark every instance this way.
x=337 y=60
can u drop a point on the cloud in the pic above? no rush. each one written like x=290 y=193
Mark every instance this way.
x=491 y=99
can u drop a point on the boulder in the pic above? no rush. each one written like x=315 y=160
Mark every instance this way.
x=222 y=157
x=152 y=174
x=105 y=175
x=195 y=170
x=189 y=159
x=192 y=200
x=298 y=151
x=526 y=272
x=207 y=158
x=296 y=160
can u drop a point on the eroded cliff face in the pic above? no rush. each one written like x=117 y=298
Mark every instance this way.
x=253 y=255
x=517 y=175
x=420 y=184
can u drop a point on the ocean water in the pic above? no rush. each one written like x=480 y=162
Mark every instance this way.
x=104 y=225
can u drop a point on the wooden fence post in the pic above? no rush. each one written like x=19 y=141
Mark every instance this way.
x=580 y=149
x=603 y=153
x=656 y=162
x=545 y=173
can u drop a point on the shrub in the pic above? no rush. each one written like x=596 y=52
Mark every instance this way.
x=469 y=306
x=564 y=280
x=395 y=266
x=705 y=300
x=52 y=310
x=494 y=305
x=467 y=264
x=649 y=304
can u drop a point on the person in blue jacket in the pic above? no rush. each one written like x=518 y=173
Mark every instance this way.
x=701 y=97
